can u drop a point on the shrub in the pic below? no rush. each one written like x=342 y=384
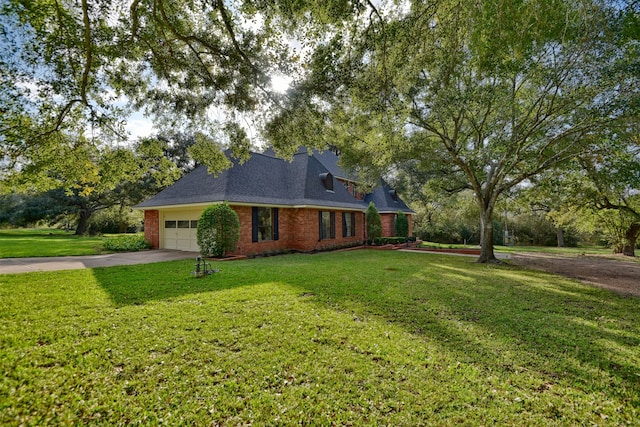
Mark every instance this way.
x=218 y=230
x=402 y=225
x=113 y=220
x=126 y=243
x=374 y=223
x=381 y=241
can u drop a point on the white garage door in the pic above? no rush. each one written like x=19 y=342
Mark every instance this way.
x=181 y=234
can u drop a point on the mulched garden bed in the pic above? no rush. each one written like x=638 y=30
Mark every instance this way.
x=450 y=250
x=229 y=258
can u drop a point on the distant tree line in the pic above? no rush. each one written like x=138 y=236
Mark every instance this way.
x=121 y=178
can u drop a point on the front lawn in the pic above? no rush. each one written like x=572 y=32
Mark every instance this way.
x=49 y=242
x=351 y=338
x=46 y=242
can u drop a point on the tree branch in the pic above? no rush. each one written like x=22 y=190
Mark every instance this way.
x=229 y=27
x=88 y=47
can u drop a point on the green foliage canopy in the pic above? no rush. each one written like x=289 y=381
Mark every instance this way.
x=74 y=71
x=484 y=95
x=600 y=191
x=104 y=177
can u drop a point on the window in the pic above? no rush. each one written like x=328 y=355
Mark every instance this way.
x=181 y=223
x=265 y=224
x=327 y=224
x=327 y=181
x=348 y=224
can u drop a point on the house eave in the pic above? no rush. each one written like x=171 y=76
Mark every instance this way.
x=396 y=211
x=232 y=203
x=176 y=206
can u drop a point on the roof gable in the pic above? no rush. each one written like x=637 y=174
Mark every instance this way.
x=263 y=179
x=268 y=180
x=386 y=199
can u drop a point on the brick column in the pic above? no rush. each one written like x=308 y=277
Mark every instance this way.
x=152 y=228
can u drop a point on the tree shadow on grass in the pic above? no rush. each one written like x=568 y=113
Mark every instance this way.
x=141 y=283
x=509 y=318
x=548 y=318
x=590 y=335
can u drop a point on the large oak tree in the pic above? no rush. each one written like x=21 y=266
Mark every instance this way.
x=74 y=70
x=484 y=94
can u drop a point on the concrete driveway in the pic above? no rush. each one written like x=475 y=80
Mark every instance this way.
x=26 y=265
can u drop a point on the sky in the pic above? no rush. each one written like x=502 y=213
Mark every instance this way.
x=139 y=126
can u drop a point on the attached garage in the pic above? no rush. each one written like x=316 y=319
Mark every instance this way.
x=181 y=234
x=179 y=230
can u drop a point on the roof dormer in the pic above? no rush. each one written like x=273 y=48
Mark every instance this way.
x=327 y=180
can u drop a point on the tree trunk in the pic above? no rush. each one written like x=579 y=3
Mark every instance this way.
x=122 y=226
x=83 y=221
x=560 y=235
x=486 y=236
x=630 y=239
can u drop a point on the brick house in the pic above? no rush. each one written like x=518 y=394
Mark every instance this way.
x=303 y=205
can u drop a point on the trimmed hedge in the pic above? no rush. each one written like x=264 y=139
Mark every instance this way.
x=126 y=243
x=380 y=241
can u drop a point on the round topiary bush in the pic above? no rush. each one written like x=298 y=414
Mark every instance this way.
x=218 y=230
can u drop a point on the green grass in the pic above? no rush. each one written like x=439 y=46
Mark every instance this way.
x=351 y=338
x=46 y=242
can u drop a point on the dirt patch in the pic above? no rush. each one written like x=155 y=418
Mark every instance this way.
x=616 y=275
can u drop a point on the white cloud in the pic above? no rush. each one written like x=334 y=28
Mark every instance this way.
x=280 y=83
x=139 y=126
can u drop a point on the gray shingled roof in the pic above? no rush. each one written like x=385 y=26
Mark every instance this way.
x=386 y=199
x=263 y=179
x=329 y=159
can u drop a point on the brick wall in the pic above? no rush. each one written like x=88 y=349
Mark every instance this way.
x=246 y=245
x=302 y=229
x=388 y=224
x=152 y=228
x=298 y=230
x=307 y=234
